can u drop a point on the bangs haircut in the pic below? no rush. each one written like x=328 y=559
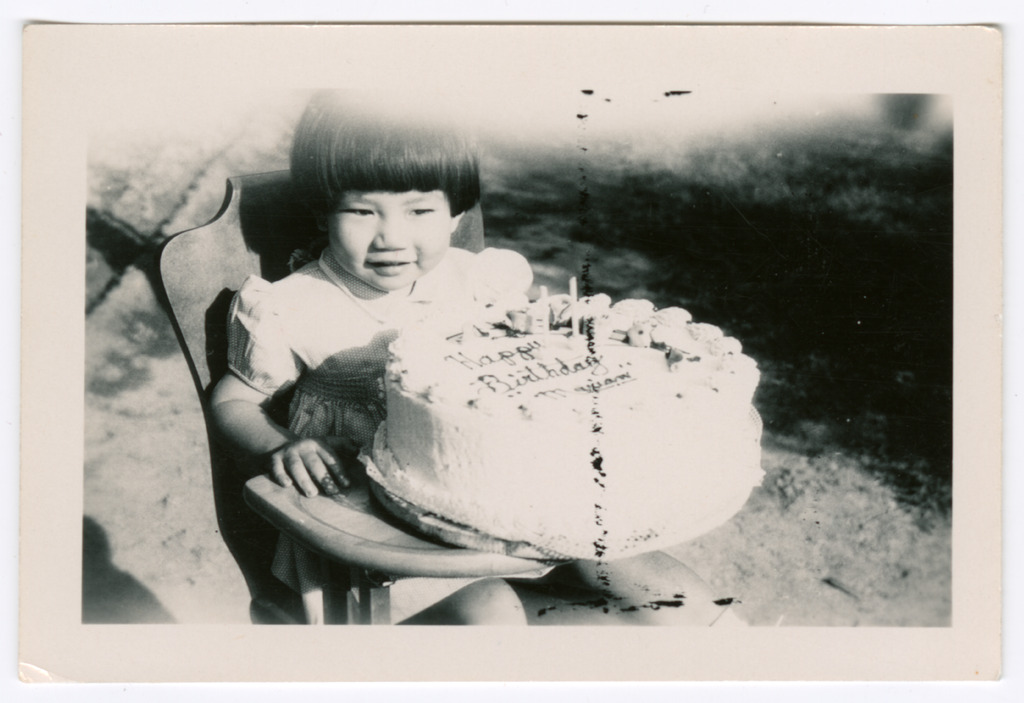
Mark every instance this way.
x=342 y=145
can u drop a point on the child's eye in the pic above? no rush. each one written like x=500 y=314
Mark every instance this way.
x=356 y=211
x=423 y=211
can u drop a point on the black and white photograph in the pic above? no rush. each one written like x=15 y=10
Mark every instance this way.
x=544 y=345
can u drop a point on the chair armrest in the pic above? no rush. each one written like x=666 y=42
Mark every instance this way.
x=347 y=529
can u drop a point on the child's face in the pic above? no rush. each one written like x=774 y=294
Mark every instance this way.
x=389 y=240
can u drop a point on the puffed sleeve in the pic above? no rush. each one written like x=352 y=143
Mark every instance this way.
x=499 y=274
x=258 y=349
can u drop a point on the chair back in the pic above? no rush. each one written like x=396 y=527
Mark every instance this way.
x=259 y=225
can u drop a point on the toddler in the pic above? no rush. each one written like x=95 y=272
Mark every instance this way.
x=388 y=193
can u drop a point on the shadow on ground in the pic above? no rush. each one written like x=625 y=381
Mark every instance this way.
x=109 y=595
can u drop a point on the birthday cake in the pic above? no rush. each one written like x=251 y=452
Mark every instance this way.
x=576 y=429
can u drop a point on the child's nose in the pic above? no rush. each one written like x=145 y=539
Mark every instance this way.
x=391 y=234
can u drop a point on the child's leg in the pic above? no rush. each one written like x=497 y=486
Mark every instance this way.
x=487 y=602
x=651 y=588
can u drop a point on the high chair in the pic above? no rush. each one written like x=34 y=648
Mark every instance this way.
x=256 y=230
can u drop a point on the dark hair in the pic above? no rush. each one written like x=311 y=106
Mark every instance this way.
x=344 y=144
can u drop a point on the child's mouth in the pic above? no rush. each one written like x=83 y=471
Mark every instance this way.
x=388 y=268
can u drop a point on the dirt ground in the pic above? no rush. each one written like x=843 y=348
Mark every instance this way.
x=822 y=542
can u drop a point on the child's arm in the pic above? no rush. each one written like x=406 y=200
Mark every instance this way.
x=241 y=417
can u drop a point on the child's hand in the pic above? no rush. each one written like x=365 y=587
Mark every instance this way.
x=307 y=463
x=313 y=464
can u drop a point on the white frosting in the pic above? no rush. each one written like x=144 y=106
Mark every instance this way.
x=584 y=450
